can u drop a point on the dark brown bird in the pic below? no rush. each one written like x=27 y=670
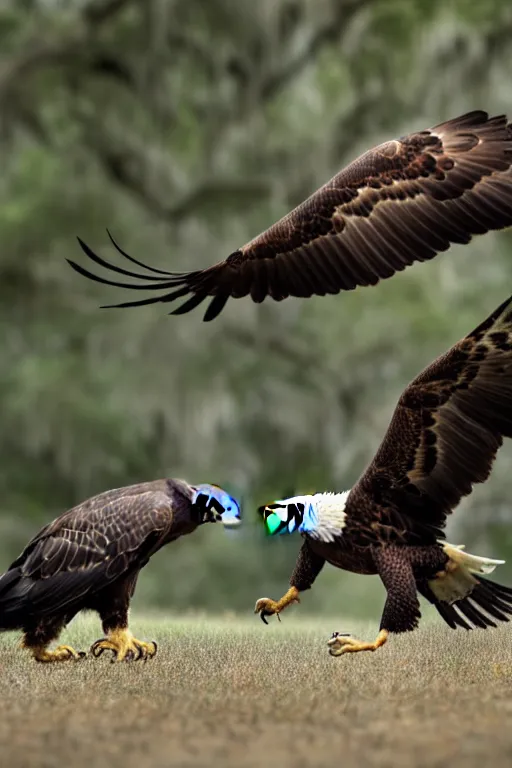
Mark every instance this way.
x=403 y=201
x=89 y=558
x=443 y=438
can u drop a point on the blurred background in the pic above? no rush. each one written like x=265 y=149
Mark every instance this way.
x=187 y=127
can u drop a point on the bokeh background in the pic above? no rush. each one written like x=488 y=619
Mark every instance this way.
x=187 y=127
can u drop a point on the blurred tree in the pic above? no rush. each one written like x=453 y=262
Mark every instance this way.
x=187 y=127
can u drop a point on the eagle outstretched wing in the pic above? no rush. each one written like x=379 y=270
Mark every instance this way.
x=89 y=547
x=403 y=201
x=443 y=438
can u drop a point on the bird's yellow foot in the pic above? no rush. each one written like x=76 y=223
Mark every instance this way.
x=340 y=643
x=124 y=647
x=61 y=653
x=265 y=606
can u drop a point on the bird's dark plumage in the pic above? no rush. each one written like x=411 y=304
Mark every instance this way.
x=92 y=545
x=90 y=558
x=443 y=438
x=403 y=201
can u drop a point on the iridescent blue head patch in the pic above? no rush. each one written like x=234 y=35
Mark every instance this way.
x=289 y=515
x=216 y=505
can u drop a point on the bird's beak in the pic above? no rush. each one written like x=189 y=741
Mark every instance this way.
x=232 y=522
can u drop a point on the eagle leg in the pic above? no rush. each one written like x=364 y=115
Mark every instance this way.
x=265 y=606
x=124 y=647
x=61 y=653
x=38 y=636
x=402 y=609
x=340 y=643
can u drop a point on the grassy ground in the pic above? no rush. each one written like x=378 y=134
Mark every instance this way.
x=236 y=693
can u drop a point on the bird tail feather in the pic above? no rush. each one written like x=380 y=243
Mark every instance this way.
x=463 y=597
x=473 y=563
x=458 y=579
x=12 y=603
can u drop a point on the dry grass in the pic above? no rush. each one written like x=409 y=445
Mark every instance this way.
x=236 y=693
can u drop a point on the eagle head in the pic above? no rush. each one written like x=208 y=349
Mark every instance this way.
x=216 y=505
x=286 y=515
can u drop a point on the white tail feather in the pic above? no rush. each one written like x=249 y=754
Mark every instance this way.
x=457 y=581
x=473 y=563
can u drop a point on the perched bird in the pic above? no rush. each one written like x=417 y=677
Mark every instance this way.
x=89 y=558
x=403 y=201
x=444 y=435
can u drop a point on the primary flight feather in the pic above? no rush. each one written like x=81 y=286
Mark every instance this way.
x=403 y=201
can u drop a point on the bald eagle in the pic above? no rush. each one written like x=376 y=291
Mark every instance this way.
x=90 y=557
x=443 y=438
x=403 y=201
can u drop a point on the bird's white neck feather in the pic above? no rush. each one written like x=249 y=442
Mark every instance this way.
x=320 y=516
x=330 y=515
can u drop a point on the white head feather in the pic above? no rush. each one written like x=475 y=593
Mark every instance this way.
x=320 y=516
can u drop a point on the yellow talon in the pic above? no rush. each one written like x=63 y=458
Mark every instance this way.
x=265 y=606
x=124 y=647
x=61 y=653
x=339 y=643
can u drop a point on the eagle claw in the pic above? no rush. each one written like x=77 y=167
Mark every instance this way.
x=97 y=650
x=61 y=653
x=265 y=606
x=343 y=642
x=337 y=646
x=124 y=648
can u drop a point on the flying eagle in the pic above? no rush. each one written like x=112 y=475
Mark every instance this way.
x=444 y=435
x=403 y=201
x=89 y=558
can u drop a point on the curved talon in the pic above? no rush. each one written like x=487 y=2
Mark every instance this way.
x=96 y=649
x=61 y=653
x=338 y=646
x=100 y=646
x=145 y=650
x=124 y=647
x=265 y=606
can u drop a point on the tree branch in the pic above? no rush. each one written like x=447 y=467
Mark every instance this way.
x=98 y=11
x=126 y=162
x=326 y=33
x=37 y=55
x=130 y=167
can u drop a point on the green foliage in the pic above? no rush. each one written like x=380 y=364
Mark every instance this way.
x=187 y=128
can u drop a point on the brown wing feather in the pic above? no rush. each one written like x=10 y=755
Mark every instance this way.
x=94 y=543
x=403 y=201
x=443 y=438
